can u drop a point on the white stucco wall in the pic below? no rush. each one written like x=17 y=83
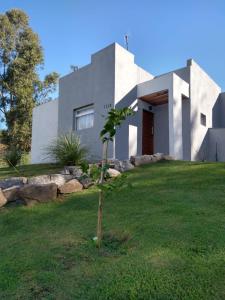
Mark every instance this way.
x=44 y=130
x=92 y=84
x=127 y=76
x=161 y=129
x=204 y=93
x=216 y=144
x=177 y=88
x=112 y=79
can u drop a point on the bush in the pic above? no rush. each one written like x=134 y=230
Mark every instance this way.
x=67 y=150
x=95 y=172
x=84 y=166
x=12 y=157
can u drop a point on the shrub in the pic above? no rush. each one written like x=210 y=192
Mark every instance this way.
x=95 y=172
x=67 y=150
x=84 y=166
x=25 y=158
x=12 y=157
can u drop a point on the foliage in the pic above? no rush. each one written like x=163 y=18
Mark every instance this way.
x=174 y=215
x=95 y=172
x=84 y=166
x=20 y=87
x=25 y=158
x=67 y=150
x=117 y=183
x=114 y=119
x=12 y=157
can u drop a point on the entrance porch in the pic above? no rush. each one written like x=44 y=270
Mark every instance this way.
x=165 y=116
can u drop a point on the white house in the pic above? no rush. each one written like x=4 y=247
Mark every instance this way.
x=180 y=113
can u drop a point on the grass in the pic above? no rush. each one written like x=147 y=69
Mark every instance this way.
x=29 y=170
x=165 y=239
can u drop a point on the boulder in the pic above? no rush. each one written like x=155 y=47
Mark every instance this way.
x=60 y=179
x=32 y=193
x=146 y=159
x=125 y=165
x=71 y=186
x=12 y=193
x=13 y=181
x=120 y=165
x=3 y=200
x=113 y=172
x=168 y=157
x=158 y=156
x=76 y=171
x=41 y=179
x=86 y=182
x=141 y=160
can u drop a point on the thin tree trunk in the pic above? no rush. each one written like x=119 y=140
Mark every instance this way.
x=100 y=199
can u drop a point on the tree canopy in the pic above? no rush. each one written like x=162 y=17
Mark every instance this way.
x=21 y=56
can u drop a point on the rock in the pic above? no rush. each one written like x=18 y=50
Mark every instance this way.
x=113 y=172
x=3 y=200
x=146 y=159
x=60 y=179
x=13 y=181
x=141 y=160
x=86 y=182
x=125 y=165
x=168 y=157
x=120 y=165
x=41 y=179
x=32 y=193
x=12 y=193
x=158 y=156
x=76 y=171
x=71 y=186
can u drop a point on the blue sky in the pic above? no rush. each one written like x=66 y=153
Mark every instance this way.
x=163 y=34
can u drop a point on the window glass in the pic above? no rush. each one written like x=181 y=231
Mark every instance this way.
x=84 y=118
x=203 y=119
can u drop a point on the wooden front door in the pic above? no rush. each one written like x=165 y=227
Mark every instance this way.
x=147 y=132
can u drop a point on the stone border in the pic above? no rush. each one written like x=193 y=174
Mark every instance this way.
x=44 y=188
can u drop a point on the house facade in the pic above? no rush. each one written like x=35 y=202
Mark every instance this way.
x=180 y=113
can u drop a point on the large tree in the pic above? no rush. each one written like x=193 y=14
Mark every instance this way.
x=21 y=56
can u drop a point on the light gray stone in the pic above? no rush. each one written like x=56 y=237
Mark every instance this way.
x=146 y=159
x=71 y=186
x=76 y=171
x=12 y=193
x=3 y=200
x=12 y=181
x=32 y=193
x=168 y=157
x=86 y=182
x=120 y=165
x=41 y=179
x=158 y=156
x=60 y=179
x=125 y=165
x=113 y=172
x=141 y=160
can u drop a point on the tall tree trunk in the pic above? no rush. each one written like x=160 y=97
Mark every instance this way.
x=101 y=196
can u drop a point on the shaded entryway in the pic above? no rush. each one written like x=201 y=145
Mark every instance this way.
x=147 y=132
x=164 y=96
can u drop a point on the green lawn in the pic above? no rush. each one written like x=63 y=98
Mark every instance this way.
x=174 y=215
x=29 y=170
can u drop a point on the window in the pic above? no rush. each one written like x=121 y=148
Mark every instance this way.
x=84 y=118
x=203 y=119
